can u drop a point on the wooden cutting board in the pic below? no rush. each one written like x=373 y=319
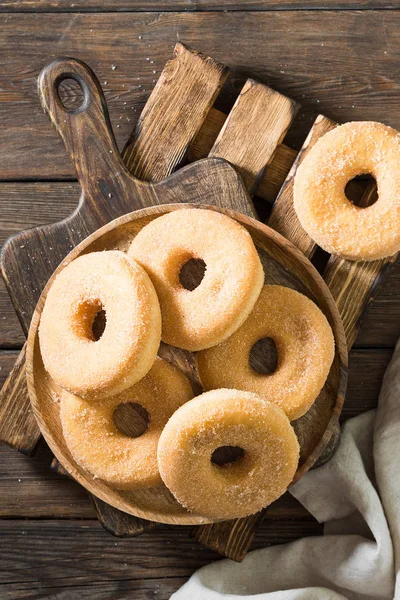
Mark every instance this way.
x=109 y=190
x=250 y=139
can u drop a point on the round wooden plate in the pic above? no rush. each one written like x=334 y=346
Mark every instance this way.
x=284 y=265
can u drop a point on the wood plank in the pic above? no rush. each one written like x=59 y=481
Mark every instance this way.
x=199 y=5
x=257 y=123
x=150 y=566
x=194 y=80
x=354 y=284
x=18 y=426
x=29 y=489
x=352 y=88
x=276 y=171
x=283 y=216
x=248 y=139
x=118 y=523
x=187 y=76
x=173 y=114
x=22 y=206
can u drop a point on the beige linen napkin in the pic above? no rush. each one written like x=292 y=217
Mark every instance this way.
x=357 y=497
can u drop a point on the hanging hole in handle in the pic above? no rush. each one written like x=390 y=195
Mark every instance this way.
x=71 y=93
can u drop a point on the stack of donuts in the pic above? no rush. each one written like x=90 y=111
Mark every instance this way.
x=142 y=301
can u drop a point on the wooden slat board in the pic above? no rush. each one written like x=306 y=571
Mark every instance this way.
x=351 y=87
x=201 y=5
x=256 y=125
x=240 y=142
x=173 y=115
x=380 y=326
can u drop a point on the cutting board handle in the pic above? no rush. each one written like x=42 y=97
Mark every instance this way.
x=85 y=130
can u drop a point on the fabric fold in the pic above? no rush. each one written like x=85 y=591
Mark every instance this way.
x=356 y=495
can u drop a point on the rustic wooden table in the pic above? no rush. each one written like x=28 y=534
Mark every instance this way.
x=334 y=57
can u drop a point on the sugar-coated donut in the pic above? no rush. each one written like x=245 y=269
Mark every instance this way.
x=304 y=343
x=97 y=444
x=210 y=313
x=125 y=352
x=325 y=213
x=227 y=418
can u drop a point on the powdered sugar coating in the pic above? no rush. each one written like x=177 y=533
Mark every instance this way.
x=305 y=347
x=227 y=418
x=128 y=347
x=329 y=218
x=201 y=318
x=100 y=448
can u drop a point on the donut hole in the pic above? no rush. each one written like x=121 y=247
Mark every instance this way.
x=90 y=320
x=225 y=456
x=192 y=273
x=362 y=190
x=131 y=419
x=264 y=356
x=99 y=324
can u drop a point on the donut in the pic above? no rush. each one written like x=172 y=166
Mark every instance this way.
x=324 y=211
x=207 y=315
x=227 y=418
x=126 y=350
x=100 y=448
x=305 y=348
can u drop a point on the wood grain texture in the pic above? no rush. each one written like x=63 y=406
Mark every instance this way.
x=87 y=563
x=283 y=216
x=199 y=5
x=230 y=538
x=355 y=284
x=29 y=489
x=174 y=114
x=115 y=521
x=257 y=123
x=351 y=88
x=18 y=426
x=277 y=165
x=24 y=205
x=120 y=523
x=105 y=196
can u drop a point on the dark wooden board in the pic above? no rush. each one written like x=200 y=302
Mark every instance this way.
x=88 y=563
x=199 y=5
x=225 y=146
x=104 y=195
x=24 y=205
x=352 y=87
x=108 y=185
x=371 y=86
